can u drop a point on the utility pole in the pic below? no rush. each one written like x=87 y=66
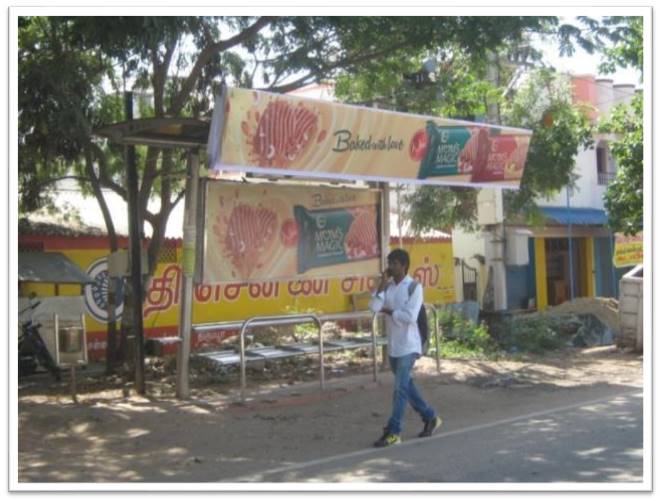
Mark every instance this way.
x=135 y=238
x=495 y=245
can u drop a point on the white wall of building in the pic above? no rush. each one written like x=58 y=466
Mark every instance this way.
x=588 y=192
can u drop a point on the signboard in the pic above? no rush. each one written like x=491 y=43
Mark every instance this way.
x=628 y=250
x=278 y=134
x=268 y=231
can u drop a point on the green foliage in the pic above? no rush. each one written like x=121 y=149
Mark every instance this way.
x=535 y=334
x=624 y=198
x=560 y=129
x=628 y=47
x=439 y=207
x=303 y=332
x=463 y=338
x=56 y=92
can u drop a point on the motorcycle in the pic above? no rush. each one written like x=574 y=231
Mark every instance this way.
x=32 y=350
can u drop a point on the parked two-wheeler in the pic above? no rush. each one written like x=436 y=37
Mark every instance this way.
x=32 y=351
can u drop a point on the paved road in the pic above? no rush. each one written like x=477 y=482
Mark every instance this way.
x=597 y=441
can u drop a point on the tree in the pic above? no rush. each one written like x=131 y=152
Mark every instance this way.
x=56 y=117
x=560 y=130
x=624 y=198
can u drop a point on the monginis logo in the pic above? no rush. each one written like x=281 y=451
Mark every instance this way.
x=418 y=145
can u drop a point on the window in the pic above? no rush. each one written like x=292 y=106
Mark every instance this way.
x=604 y=165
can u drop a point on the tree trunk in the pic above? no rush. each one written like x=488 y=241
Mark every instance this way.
x=111 y=357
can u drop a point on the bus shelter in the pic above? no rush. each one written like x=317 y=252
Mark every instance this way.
x=327 y=212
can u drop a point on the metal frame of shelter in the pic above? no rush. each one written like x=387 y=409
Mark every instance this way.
x=185 y=133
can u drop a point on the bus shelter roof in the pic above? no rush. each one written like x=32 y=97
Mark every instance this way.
x=158 y=132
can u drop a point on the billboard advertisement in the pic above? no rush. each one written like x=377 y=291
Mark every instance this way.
x=283 y=135
x=273 y=231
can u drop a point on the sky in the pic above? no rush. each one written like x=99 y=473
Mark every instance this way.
x=582 y=62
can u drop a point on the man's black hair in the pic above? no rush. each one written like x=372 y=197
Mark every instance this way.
x=401 y=256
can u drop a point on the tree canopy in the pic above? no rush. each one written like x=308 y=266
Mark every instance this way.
x=179 y=62
x=624 y=198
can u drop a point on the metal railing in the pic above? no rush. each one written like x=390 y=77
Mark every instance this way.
x=291 y=319
x=605 y=178
x=319 y=320
x=237 y=324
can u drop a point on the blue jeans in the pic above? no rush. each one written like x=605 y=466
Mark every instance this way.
x=404 y=392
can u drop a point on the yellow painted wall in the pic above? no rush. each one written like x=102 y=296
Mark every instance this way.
x=541 y=275
x=432 y=264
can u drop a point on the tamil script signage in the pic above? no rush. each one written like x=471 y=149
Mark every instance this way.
x=267 y=231
x=284 y=135
x=628 y=250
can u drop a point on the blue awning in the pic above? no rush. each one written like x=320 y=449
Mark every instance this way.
x=578 y=216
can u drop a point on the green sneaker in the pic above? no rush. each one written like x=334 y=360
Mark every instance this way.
x=430 y=426
x=387 y=439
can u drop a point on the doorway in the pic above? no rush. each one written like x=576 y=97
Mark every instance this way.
x=558 y=269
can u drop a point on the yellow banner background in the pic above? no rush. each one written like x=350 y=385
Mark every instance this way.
x=282 y=134
x=259 y=231
x=628 y=250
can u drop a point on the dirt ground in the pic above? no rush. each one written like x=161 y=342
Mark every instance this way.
x=114 y=435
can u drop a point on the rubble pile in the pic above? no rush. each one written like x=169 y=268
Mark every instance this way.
x=606 y=310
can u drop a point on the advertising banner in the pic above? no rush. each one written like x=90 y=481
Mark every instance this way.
x=628 y=250
x=284 y=135
x=267 y=231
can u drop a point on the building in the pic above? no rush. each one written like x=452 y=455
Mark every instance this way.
x=572 y=255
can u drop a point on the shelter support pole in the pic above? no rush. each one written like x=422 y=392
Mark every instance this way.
x=385 y=238
x=135 y=253
x=384 y=222
x=188 y=265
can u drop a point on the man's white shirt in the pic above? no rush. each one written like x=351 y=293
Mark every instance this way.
x=402 y=332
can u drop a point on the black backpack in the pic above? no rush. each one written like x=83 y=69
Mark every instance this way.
x=422 y=321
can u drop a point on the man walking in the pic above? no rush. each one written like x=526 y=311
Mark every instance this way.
x=400 y=298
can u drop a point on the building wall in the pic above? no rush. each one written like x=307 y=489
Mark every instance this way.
x=432 y=264
x=599 y=97
x=465 y=246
